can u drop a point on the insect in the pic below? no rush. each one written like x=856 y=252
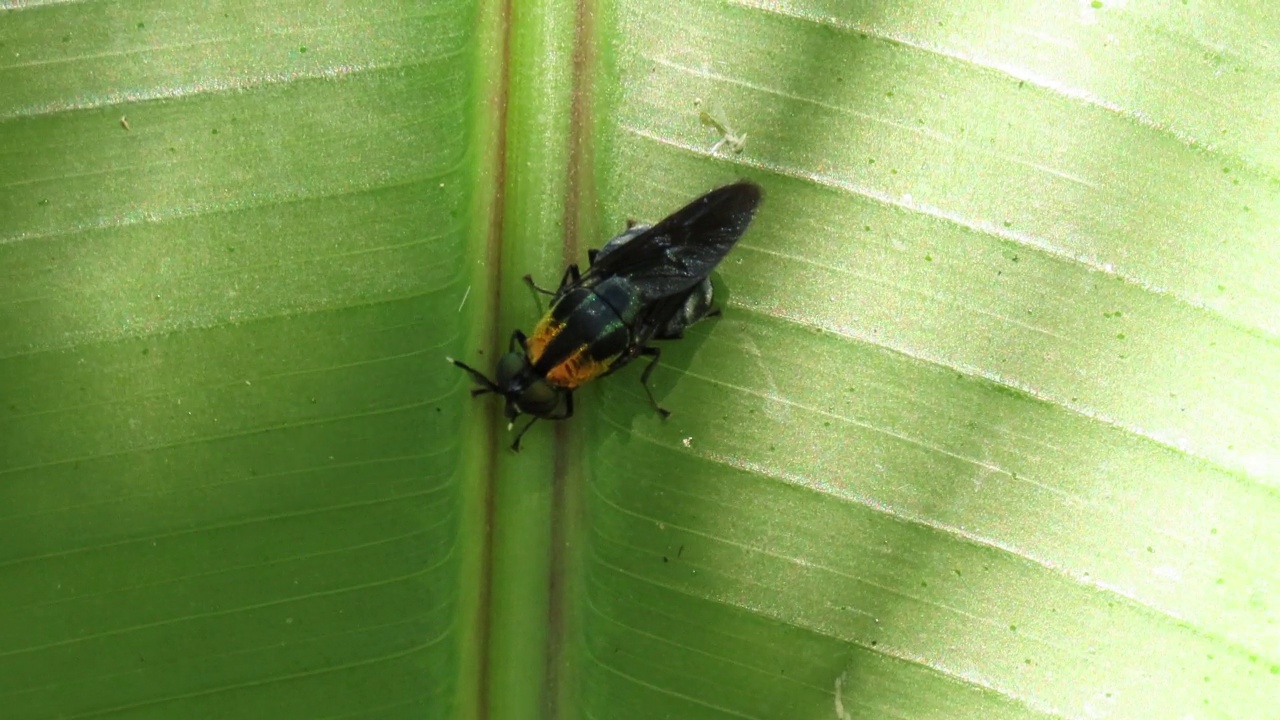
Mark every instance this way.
x=648 y=283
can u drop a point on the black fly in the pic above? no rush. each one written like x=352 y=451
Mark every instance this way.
x=648 y=283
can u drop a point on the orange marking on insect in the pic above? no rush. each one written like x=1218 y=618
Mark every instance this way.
x=578 y=369
x=546 y=331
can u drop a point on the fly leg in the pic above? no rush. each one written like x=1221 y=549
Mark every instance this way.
x=515 y=445
x=518 y=338
x=528 y=279
x=570 y=277
x=568 y=407
x=654 y=353
x=564 y=415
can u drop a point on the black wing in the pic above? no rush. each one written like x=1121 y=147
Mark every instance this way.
x=684 y=247
x=656 y=316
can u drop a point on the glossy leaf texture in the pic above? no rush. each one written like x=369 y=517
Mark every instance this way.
x=987 y=428
x=227 y=234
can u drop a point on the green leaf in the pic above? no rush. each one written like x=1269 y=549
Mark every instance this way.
x=987 y=429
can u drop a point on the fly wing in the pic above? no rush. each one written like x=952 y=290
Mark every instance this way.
x=657 y=314
x=683 y=248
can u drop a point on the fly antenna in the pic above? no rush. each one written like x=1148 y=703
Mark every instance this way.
x=479 y=377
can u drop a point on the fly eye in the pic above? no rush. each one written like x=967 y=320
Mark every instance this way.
x=539 y=398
